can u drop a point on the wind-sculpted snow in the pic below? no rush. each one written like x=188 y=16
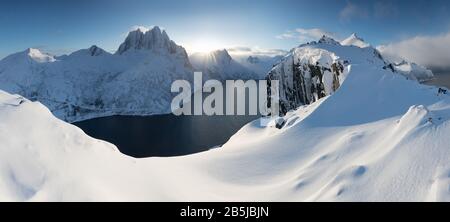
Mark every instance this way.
x=379 y=137
x=92 y=82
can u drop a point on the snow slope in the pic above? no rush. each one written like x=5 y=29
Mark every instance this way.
x=91 y=82
x=379 y=137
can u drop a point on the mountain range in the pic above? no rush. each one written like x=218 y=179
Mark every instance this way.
x=136 y=79
x=354 y=129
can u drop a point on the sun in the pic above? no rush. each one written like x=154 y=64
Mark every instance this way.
x=204 y=45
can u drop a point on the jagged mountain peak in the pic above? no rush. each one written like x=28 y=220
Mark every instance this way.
x=253 y=60
x=96 y=51
x=328 y=40
x=34 y=54
x=91 y=51
x=355 y=40
x=221 y=55
x=153 y=39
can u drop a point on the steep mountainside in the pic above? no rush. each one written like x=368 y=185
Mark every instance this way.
x=317 y=69
x=92 y=82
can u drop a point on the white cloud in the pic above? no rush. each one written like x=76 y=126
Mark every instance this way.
x=246 y=51
x=305 y=35
x=351 y=11
x=431 y=51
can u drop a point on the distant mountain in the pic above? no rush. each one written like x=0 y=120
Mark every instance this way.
x=260 y=64
x=91 y=82
x=413 y=71
x=220 y=65
x=354 y=40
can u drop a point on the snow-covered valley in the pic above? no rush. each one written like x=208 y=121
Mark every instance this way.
x=378 y=136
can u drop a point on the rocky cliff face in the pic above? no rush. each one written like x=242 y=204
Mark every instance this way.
x=153 y=40
x=317 y=69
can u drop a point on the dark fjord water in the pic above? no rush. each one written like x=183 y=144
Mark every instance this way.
x=169 y=135
x=164 y=135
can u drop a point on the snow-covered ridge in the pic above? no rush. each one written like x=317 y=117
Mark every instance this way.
x=92 y=82
x=380 y=137
x=317 y=69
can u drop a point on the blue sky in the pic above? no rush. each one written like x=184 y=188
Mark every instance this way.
x=64 y=26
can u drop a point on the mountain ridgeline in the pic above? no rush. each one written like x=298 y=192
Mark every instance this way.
x=317 y=69
x=137 y=78
x=92 y=82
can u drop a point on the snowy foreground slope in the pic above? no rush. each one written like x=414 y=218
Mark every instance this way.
x=380 y=137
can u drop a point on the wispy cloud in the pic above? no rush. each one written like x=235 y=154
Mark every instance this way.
x=305 y=35
x=353 y=11
x=431 y=51
x=239 y=50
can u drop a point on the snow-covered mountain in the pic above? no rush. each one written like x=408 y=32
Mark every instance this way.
x=377 y=137
x=92 y=82
x=354 y=40
x=408 y=69
x=317 y=69
x=260 y=64
x=413 y=71
x=221 y=66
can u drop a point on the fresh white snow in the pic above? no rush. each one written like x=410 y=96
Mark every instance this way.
x=379 y=137
x=91 y=82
